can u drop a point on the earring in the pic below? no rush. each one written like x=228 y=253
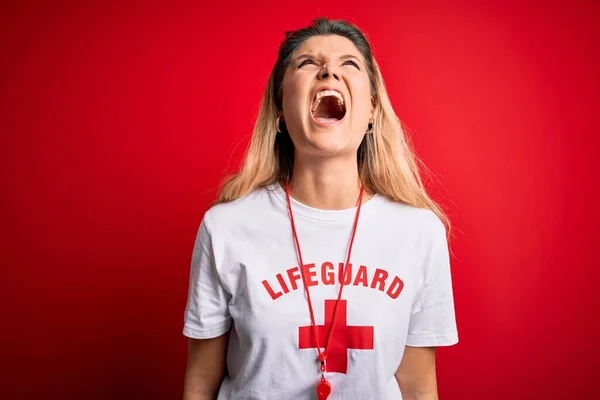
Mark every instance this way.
x=370 y=128
x=277 y=126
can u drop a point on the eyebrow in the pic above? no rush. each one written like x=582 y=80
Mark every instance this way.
x=344 y=57
x=348 y=56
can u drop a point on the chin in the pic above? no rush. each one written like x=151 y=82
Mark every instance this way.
x=329 y=146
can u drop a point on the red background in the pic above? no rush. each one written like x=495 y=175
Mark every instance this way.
x=118 y=120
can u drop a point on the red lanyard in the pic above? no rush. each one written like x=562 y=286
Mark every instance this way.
x=324 y=388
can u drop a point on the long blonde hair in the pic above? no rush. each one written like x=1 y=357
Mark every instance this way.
x=387 y=162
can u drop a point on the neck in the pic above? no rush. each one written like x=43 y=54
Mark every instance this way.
x=327 y=185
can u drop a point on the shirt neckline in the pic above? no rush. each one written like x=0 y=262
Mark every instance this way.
x=319 y=214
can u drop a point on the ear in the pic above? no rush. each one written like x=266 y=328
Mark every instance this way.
x=281 y=123
x=373 y=105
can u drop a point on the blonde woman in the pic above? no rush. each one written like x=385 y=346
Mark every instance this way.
x=322 y=270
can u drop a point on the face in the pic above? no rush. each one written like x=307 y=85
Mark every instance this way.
x=327 y=101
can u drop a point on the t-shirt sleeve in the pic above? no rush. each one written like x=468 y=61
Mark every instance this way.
x=432 y=321
x=206 y=312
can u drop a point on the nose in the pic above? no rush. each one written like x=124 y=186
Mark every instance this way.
x=328 y=70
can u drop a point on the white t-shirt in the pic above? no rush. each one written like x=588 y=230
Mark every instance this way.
x=245 y=277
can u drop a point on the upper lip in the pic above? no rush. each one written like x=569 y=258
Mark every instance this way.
x=326 y=87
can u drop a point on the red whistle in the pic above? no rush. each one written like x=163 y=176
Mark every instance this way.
x=323 y=389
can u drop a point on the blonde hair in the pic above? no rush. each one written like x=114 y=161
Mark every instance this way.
x=388 y=164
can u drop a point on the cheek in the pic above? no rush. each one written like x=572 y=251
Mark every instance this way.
x=292 y=94
x=362 y=108
x=362 y=96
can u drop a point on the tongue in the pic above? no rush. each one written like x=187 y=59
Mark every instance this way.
x=325 y=119
x=328 y=110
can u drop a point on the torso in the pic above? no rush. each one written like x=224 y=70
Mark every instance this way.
x=272 y=352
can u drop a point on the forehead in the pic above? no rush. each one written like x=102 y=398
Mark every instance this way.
x=327 y=46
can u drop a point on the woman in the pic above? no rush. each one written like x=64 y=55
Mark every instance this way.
x=323 y=268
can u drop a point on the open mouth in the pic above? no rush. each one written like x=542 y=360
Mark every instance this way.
x=328 y=106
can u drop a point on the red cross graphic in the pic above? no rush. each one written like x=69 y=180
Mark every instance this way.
x=344 y=337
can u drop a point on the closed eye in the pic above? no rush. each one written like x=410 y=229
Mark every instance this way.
x=305 y=61
x=351 y=62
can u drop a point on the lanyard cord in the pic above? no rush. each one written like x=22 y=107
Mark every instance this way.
x=322 y=355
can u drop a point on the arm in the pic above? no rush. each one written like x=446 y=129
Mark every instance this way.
x=416 y=374
x=206 y=367
x=206 y=322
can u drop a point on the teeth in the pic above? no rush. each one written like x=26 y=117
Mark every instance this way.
x=325 y=93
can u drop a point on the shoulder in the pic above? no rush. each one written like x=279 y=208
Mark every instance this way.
x=249 y=209
x=419 y=221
